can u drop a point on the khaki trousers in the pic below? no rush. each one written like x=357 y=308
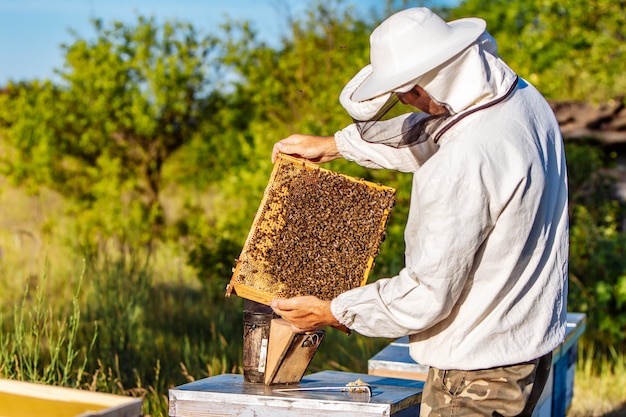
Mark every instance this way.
x=502 y=391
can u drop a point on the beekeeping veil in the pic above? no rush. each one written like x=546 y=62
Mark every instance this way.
x=451 y=61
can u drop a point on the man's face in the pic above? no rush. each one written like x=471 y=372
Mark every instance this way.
x=420 y=99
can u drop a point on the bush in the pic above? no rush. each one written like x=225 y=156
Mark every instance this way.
x=597 y=248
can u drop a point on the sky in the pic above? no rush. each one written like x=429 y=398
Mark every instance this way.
x=31 y=31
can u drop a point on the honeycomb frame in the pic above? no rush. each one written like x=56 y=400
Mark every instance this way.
x=316 y=232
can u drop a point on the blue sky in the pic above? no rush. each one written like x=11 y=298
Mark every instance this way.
x=31 y=31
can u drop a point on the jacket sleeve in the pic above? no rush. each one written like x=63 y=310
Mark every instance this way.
x=382 y=156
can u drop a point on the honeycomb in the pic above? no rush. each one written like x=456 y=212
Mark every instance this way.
x=317 y=232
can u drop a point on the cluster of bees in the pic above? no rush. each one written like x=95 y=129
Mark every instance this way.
x=317 y=234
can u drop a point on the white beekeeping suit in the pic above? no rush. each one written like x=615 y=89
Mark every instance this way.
x=487 y=233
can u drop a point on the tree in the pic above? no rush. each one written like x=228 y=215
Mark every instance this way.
x=597 y=248
x=129 y=101
x=568 y=49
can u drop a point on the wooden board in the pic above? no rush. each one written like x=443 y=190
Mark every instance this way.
x=317 y=232
x=27 y=399
x=289 y=354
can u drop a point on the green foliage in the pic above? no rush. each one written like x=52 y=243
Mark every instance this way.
x=129 y=101
x=297 y=86
x=568 y=49
x=597 y=249
x=27 y=115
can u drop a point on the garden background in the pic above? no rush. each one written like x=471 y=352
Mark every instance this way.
x=128 y=187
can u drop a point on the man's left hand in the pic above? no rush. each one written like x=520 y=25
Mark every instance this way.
x=306 y=313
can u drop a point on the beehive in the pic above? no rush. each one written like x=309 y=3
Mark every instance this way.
x=316 y=232
x=26 y=399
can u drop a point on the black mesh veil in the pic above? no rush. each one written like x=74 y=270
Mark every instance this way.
x=409 y=129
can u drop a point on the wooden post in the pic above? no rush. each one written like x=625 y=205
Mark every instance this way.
x=257 y=318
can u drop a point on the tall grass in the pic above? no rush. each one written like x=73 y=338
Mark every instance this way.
x=129 y=331
x=155 y=333
x=599 y=385
x=37 y=346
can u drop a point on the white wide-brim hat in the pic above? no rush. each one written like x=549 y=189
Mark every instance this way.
x=410 y=43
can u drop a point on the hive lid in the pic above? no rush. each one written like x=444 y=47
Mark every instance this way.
x=316 y=232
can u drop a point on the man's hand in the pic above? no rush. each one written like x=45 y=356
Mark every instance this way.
x=305 y=314
x=316 y=149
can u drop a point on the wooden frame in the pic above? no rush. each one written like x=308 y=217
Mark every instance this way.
x=251 y=279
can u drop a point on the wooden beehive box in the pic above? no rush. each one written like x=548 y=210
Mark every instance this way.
x=25 y=399
x=316 y=232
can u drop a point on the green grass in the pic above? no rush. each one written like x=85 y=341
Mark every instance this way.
x=39 y=346
x=599 y=385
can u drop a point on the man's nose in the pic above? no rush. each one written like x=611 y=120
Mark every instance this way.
x=401 y=97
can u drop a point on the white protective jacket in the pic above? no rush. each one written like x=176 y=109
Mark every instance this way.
x=486 y=262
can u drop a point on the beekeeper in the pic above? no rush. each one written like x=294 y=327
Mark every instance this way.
x=483 y=294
